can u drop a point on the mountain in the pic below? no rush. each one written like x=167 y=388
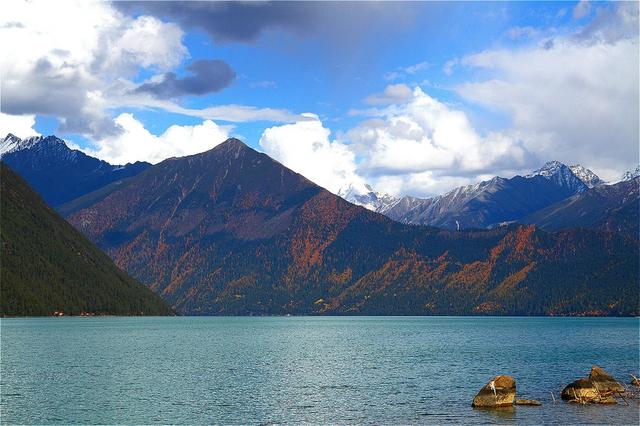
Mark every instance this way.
x=612 y=207
x=589 y=178
x=630 y=175
x=232 y=232
x=485 y=204
x=48 y=266
x=60 y=174
x=562 y=176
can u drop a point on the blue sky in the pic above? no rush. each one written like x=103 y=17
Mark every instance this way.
x=412 y=98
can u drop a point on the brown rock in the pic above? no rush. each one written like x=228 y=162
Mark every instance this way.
x=581 y=389
x=603 y=381
x=499 y=392
x=528 y=402
x=634 y=381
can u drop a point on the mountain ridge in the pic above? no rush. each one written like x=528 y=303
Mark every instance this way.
x=233 y=232
x=58 y=173
x=484 y=204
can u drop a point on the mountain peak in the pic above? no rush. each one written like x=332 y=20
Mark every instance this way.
x=549 y=168
x=232 y=143
x=12 y=143
x=561 y=175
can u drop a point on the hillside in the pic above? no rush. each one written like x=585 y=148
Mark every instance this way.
x=46 y=265
x=232 y=232
x=611 y=207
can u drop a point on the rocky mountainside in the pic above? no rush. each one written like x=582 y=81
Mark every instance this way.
x=231 y=231
x=615 y=208
x=48 y=266
x=563 y=176
x=485 y=204
x=58 y=173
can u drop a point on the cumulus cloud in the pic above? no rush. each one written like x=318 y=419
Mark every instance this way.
x=305 y=147
x=208 y=76
x=80 y=80
x=576 y=100
x=417 y=146
x=425 y=134
x=19 y=125
x=54 y=71
x=135 y=143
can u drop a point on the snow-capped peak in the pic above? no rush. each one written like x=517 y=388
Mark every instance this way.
x=561 y=175
x=587 y=177
x=364 y=195
x=12 y=143
x=549 y=169
x=630 y=175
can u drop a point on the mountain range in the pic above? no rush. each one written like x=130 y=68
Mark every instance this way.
x=58 y=173
x=47 y=266
x=499 y=201
x=233 y=232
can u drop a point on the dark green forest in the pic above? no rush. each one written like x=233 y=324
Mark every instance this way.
x=47 y=266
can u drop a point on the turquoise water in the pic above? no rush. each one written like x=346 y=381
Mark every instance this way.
x=376 y=370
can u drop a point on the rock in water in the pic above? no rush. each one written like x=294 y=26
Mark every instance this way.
x=603 y=381
x=499 y=392
x=581 y=389
x=528 y=402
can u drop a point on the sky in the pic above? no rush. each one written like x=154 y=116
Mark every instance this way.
x=412 y=98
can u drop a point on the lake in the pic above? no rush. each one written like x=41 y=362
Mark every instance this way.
x=292 y=370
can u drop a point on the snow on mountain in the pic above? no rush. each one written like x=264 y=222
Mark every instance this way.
x=630 y=175
x=587 y=177
x=364 y=195
x=561 y=175
x=11 y=143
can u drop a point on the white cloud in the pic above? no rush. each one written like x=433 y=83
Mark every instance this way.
x=232 y=113
x=421 y=66
x=60 y=58
x=74 y=60
x=393 y=94
x=135 y=143
x=305 y=148
x=419 y=147
x=574 y=101
x=19 y=125
x=426 y=135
